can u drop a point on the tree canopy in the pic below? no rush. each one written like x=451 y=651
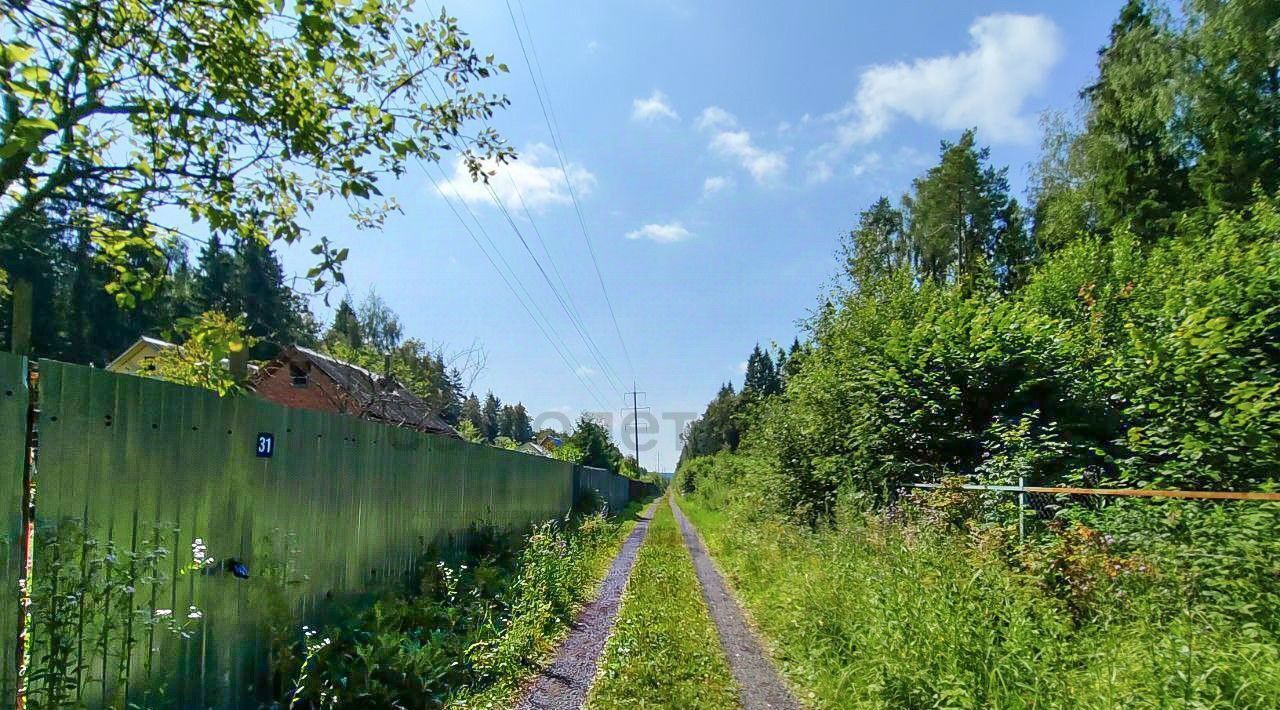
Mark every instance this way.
x=1121 y=331
x=243 y=116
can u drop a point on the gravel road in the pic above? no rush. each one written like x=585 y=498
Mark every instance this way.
x=760 y=686
x=564 y=684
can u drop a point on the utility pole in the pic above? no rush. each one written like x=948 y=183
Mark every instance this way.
x=635 y=418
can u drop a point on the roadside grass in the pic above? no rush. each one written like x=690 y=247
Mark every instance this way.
x=874 y=615
x=595 y=562
x=464 y=633
x=664 y=651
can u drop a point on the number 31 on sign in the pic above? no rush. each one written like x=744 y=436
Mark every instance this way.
x=266 y=444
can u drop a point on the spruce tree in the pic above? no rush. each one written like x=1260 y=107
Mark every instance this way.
x=471 y=413
x=346 y=326
x=522 y=428
x=507 y=422
x=451 y=407
x=217 y=287
x=491 y=426
x=1137 y=163
x=268 y=304
x=762 y=377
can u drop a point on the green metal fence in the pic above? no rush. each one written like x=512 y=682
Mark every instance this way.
x=180 y=534
x=614 y=489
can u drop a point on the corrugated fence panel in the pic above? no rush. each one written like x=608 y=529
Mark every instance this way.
x=613 y=488
x=137 y=471
x=13 y=428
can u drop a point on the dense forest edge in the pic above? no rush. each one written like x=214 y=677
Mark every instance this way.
x=1119 y=329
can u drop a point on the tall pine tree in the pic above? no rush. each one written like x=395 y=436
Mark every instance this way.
x=1137 y=163
x=346 y=326
x=471 y=412
x=956 y=213
x=521 y=427
x=491 y=426
x=762 y=378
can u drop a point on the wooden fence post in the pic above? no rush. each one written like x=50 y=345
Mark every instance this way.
x=20 y=333
x=20 y=344
x=26 y=540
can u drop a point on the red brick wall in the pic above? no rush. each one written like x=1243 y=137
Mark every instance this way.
x=320 y=393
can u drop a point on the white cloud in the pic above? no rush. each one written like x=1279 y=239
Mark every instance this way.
x=866 y=164
x=985 y=86
x=731 y=142
x=742 y=366
x=821 y=171
x=592 y=46
x=716 y=183
x=534 y=176
x=661 y=233
x=653 y=108
x=764 y=165
x=715 y=117
x=585 y=371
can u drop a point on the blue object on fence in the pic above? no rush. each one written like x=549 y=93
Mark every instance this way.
x=239 y=569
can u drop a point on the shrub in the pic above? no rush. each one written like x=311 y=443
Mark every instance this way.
x=932 y=601
x=467 y=628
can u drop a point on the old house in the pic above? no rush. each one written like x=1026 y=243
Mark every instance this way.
x=305 y=379
x=533 y=449
x=137 y=359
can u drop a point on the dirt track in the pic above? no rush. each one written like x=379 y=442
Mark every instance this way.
x=564 y=684
x=760 y=687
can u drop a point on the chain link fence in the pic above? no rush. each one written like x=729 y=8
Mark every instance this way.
x=1039 y=504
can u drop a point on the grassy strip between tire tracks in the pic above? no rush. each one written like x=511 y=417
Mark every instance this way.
x=664 y=651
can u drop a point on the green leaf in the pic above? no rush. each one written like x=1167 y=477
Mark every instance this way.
x=14 y=53
x=12 y=147
x=38 y=124
x=36 y=74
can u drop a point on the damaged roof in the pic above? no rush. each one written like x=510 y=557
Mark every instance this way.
x=379 y=397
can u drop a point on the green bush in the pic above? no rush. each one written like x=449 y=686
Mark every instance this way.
x=1118 y=363
x=466 y=633
x=929 y=603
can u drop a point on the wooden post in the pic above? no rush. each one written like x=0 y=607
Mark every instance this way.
x=20 y=344
x=1022 y=509
x=238 y=363
x=26 y=540
x=20 y=333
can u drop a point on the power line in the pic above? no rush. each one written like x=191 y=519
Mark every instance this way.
x=556 y=342
x=586 y=339
x=596 y=352
x=569 y=308
x=565 y=300
x=577 y=208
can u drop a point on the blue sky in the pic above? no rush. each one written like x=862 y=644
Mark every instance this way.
x=718 y=150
